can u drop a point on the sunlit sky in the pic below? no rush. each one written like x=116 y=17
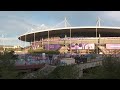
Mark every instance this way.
x=15 y=23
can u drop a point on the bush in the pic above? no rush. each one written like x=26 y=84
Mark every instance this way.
x=64 y=72
x=7 y=65
x=109 y=70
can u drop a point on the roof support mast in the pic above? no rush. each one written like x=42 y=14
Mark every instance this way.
x=70 y=32
x=65 y=22
x=97 y=25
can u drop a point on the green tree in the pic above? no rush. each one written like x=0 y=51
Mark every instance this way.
x=64 y=72
x=7 y=65
x=109 y=70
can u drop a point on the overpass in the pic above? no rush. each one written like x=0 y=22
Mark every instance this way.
x=46 y=69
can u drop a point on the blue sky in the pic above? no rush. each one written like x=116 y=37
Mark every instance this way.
x=15 y=23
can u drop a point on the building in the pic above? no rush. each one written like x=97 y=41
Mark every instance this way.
x=81 y=39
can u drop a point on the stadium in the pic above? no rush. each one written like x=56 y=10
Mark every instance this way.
x=82 y=39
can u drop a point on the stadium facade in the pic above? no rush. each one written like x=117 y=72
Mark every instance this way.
x=83 y=39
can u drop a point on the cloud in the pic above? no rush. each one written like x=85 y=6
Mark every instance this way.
x=14 y=25
x=111 y=15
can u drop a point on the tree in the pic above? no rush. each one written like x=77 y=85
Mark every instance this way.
x=109 y=70
x=7 y=65
x=64 y=72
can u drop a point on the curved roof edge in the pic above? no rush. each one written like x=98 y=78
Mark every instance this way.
x=79 y=27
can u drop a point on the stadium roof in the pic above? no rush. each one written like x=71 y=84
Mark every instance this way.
x=81 y=31
x=84 y=31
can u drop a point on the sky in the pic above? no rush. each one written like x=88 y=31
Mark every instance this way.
x=15 y=23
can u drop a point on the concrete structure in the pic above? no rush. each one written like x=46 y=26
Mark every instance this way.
x=67 y=61
x=67 y=35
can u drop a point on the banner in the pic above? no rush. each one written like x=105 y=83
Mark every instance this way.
x=112 y=46
x=52 y=46
x=82 y=46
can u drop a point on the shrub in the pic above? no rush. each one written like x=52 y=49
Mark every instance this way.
x=7 y=65
x=109 y=70
x=64 y=72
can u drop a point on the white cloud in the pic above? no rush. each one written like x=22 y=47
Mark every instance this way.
x=111 y=15
x=12 y=26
